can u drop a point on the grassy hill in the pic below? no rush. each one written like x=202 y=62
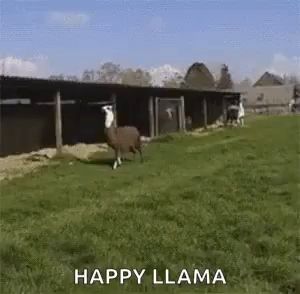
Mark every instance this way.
x=229 y=200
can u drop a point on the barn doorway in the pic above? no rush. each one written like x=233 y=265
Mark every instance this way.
x=169 y=113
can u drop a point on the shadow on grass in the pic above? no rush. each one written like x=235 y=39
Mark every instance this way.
x=97 y=161
x=106 y=161
x=96 y=158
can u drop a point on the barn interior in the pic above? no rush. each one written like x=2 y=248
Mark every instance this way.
x=29 y=111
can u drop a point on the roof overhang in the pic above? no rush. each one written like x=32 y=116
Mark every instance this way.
x=44 y=89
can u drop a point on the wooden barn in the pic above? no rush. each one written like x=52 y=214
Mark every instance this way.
x=270 y=94
x=56 y=112
x=269 y=79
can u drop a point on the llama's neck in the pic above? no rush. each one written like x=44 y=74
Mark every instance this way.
x=109 y=119
x=110 y=129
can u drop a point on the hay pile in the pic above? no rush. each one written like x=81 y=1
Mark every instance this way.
x=199 y=132
x=17 y=165
x=83 y=151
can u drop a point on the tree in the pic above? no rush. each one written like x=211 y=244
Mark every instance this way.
x=243 y=85
x=291 y=79
x=109 y=73
x=57 y=77
x=225 y=81
x=88 y=76
x=246 y=82
x=136 y=77
x=173 y=82
x=71 y=78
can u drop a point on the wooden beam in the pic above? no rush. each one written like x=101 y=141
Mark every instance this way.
x=156 y=116
x=151 y=117
x=205 y=112
x=100 y=103
x=113 y=99
x=58 y=123
x=183 y=113
x=172 y=99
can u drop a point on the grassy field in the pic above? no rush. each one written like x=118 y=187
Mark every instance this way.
x=228 y=200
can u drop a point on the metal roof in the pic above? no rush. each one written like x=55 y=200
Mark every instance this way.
x=80 y=87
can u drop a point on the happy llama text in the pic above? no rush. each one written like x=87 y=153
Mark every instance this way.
x=97 y=276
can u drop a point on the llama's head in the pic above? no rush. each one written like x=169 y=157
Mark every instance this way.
x=109 y=115
x=107 y=108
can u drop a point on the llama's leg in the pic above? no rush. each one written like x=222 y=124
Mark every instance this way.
x=138 y=147
x=242 y=121
x=115 y=164
x=133 y=151
x=117 y=159
x=141 y=154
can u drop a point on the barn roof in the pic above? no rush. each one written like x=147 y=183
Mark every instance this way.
x=199 y=76
x=269 y=79
x=43 y=89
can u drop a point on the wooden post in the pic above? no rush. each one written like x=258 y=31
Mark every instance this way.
x=151 y=117
x=224 y=110
x=113 y=99
x=156 y=117
x=205 y=112
x=78 y=120
x=58 y=123
x=180 y=117
x=183 y=113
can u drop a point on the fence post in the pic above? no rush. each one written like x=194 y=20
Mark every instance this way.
x=151 y=116
x=205 y=112
x=156 y=117
x=58 y=123
x=224 y=110
x=183 y=113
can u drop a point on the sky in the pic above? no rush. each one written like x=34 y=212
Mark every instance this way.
x=43 y=37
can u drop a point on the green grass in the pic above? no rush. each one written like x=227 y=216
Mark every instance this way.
x=229 y=200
